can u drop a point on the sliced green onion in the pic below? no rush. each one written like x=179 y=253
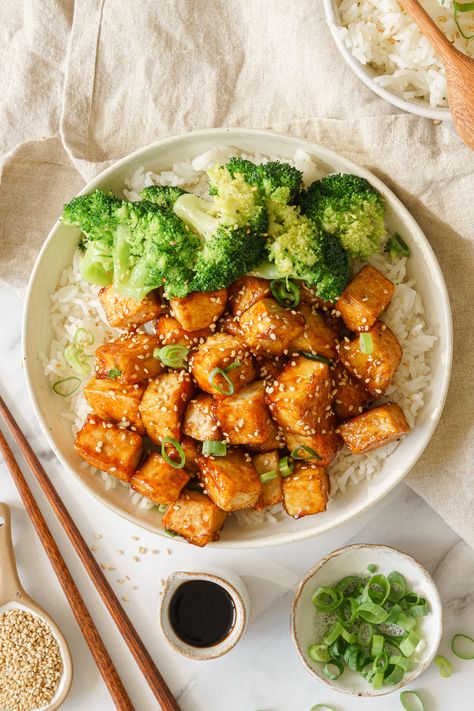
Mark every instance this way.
x=460 y=7
x=114 y=373
x=285 y=292
x=351 y=585
x=333 y=669
x=233 y=365
x=77 y=359
x=398 y=586
x=327 y=599
x=67 y=386
x=83 y=337
x=380 y=662
x=377 y=589
x=311 y=452
x=371 y=612
x=173 y=356
x=214 y=448
x=315 y=356
x=268 y=476
x=349 y=637
x=409 y=644
x=395 y=676
x=366 y=344
x=347 y=611
x=333 y=633
x=444 y=666
x=399 y=661
x=223 y=374
x=377 y=679
x=397 y=245
x=286 y=466
x=170 y=533
x=411 y=701
x=322 y=707
x=371 y=568
x=463 y=646
x=178 y=448
x=162 y=508
x=337 y=648
x=318 y=653
x=377 y=645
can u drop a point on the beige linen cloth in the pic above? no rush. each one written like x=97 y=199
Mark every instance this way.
x=84 y=84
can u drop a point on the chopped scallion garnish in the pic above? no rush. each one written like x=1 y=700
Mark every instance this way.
x=461 y=7
x=444 y=666
x=327 y=599
x=268 y=476
x=333 y=669
x=173 y=356
x=67 y=386
x=396 y=245
x=182 y=457
x=411 y=701
x=366 y=344
x=214 y=448
x=286 y=292
x=77 y=359
x=296 y=453
x=462 y=646
x=315 y=356
x=318 y=653
x=223 y=373
x=398 y=586
x=286 y=466
x=83 y=337
x=371 y=568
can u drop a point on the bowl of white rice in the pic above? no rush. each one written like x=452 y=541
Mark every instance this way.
x=385 y=48
x=59 y=302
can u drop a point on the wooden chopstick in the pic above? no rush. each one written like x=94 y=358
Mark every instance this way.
x=142 y=657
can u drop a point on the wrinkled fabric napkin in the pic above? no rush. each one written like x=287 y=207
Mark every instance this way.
x=85 y=84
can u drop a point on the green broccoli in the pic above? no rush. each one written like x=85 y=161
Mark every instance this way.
x=230 y=228
x=349 y=208
x=164 y=195
x=300 y=249
x=278 y=181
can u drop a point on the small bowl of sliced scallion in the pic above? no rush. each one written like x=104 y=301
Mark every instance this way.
x=367 y=620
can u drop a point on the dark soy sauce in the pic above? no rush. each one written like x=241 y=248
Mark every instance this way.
x=201 y=613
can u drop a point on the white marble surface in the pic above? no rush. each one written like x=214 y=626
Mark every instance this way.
x=263 y=672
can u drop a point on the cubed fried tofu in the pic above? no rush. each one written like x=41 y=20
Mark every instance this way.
x=191 y=451
x=232 y=481
x=272 y=490
x=158 y=480
x=163 y=404
x=244 y=417
x=317 y=337
x=195 y=517
x=128 y=359
x=245 y=292
x=374 y=428
x=220 y=351
x=200 y=309
x=376 y=371
x=170 y=332
x=306 y=490
x=269 y=368
x=108 y=447
x=200 y=418
x=326 y=444
x=116 y=402
x=364 y=299
x=269 y=328
x=275 y=441
x=126 y=312
x=351 y=397
x=230 y=324
x=300 y=400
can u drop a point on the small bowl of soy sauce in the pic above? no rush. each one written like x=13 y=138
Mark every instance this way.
x=204 y=614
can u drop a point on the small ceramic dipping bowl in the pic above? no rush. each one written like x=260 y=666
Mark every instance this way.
x=306 y=627
x=232 y=588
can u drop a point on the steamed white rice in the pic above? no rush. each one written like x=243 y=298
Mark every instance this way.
x=75 y=305
x=379 y=33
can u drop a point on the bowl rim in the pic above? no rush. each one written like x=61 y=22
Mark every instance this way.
x=418 y=107
x=395 y=553
x=325 y=154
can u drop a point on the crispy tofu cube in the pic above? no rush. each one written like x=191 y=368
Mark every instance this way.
x=200 y=418
x=364 y=299
x=230 y=324
x=246 y=291
x=326 y=444
x=300 y=400
x=376 y=371
x=374 y=428
x=244 y=417
x=158 y=480
x=116 y=402
x=128 y=359
x=306 y=491
x=269 y=368
x=269 y=328
x=351 y=397
x=195 y=517
x=108 y=447
x=163 y=404
x=232 y=481
x=199 y=310
x=220 y=351
x=275 y=441
x=317 y=337
x=125 y=312
x=272 y=490
x=191 y=452
x=170 y=332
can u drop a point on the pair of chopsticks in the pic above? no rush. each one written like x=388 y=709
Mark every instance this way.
x=98 y=650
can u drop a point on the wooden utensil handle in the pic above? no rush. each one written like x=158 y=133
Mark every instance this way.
x=141 y=655
x=9 y=582
x=428 y=27
x=81 y=613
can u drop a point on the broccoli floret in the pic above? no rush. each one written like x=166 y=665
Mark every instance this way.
x=94 y=214
x=278 y=181
x=349 y=208
x=164 y=195
x=300 y=249
x=230 y=229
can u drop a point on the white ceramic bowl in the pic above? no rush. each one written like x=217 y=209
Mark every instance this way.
x=353 y=560
x=420 y=107
x=57 y=252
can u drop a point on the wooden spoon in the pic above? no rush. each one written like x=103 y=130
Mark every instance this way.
x=459 y=71
x=14 y=597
